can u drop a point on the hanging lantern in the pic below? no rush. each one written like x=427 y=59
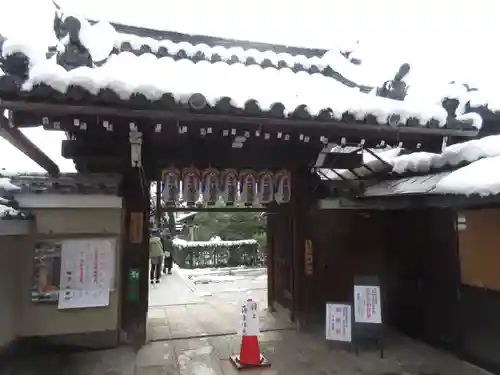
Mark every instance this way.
x=265 y=187
x=229 y=186
x=248 y=187
x=210 y=186
x=190 y=186
x=283 y=187
x=171 y=186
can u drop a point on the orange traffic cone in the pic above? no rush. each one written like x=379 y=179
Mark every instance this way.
x=250 y=357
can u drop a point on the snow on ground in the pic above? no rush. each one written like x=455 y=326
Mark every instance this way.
x=243 y=281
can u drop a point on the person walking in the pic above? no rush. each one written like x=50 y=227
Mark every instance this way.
x=155 y=255
x=168 y=248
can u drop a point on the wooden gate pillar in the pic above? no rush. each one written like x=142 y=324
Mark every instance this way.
x=301 y=248
x=135 y=258
x=271 y=283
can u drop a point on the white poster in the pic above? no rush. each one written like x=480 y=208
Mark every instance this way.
x=367 y=304
x=249 y=319
x=338 y=322
x=87 y=273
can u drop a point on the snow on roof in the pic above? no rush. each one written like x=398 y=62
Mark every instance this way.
x=127 y=74
x=474 y=162
x=481 y=178
x=214 y=243
x=331 y=58
x=452 y=156
x=279 y=86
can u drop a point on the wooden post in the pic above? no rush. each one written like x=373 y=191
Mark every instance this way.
x=303 y=276
x=271 y=285
x=159 y=208
x=135 y=258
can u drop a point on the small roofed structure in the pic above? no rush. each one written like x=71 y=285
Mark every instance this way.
x=463 y=174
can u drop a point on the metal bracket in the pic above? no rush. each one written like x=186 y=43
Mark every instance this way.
x=135 y=139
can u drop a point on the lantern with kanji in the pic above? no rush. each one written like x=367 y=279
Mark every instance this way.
x=171 y=186
x=265 y=187
x=283 y=187
x=190 y=186
x=248 y=186
x=210 y=186
x=229 y=186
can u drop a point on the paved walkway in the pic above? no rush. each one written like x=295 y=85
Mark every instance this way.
x=184 y=307
x=211 y=317
x=290 y=353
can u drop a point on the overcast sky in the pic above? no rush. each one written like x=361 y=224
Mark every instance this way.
x=443 y=39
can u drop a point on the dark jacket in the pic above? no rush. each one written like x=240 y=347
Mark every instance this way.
x=168 y=246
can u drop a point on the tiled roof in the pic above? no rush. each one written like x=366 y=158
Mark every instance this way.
x=343 y=71
x=96 y=65
x=17 y=184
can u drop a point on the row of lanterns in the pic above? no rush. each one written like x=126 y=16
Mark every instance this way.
x=211 y=184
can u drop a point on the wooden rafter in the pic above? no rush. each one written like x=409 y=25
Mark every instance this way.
x=15 y=137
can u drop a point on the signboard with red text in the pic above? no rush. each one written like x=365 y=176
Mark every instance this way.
x=367 y=304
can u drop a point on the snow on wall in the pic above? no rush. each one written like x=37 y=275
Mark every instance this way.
x=216 y=243
x=13 y=162
x=6 y=187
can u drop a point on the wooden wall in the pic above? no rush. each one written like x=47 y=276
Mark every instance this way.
x=345 y=244
x=414 y=254
x=479 y=249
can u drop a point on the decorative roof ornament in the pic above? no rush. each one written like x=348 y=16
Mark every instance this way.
x=348 y=54
x=396 y=89
x=74 y=54
x=80 y=43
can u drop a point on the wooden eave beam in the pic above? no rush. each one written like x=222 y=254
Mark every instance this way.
x=16 y=138
x=347 y=129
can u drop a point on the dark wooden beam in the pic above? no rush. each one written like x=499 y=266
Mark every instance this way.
x=187 y=153
x=15 y=137
x=365 y=131
x=343 y=160
x=273 y=208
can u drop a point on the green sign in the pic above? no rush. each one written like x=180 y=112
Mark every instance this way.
x=133 y=285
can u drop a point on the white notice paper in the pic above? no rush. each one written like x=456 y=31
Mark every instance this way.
x=338 y=322
x=249 y=319
x=367 y=304
x=87 y=271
